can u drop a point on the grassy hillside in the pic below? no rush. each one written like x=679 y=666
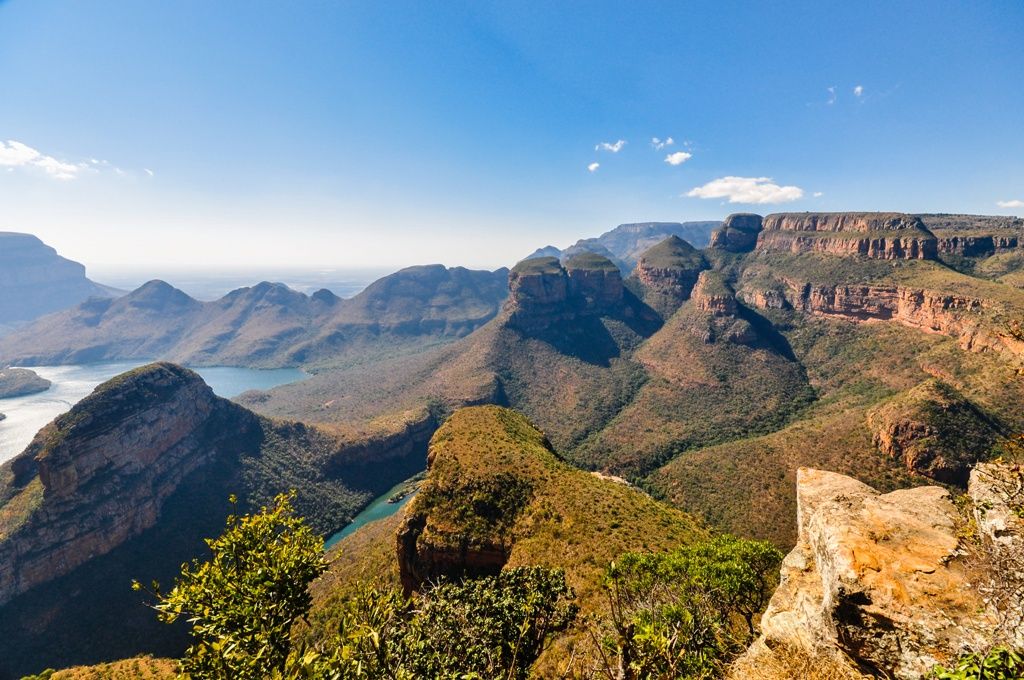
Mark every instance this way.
x=496 y=487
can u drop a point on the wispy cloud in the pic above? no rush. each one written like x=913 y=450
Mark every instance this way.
x=614 y=147
x=1010 y=204
x=747 y=190
x=858 y=91
x=660 y=144
x=818 y=194
x=148 y=172
x=678 y=158
x=831 y=95
x=593 y=167
x=14 y=154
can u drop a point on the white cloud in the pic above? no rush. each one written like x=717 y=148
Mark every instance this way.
x=818 y=194
x=593 y=167
x=1010 y=204
x=660 y=144
x=858 y=91
x=747 y=190
x=614 y=147
x=678 y=158
x=148 y=172
x=17 y=155
x=831 y=95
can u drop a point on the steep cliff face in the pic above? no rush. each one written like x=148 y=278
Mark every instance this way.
x=738 y=234
x=543 y=293
x=99 y=474
x=975 y=235
x=935 y=431
x=957 y=316
x=880 y=582
x=668 y=273
x=887 y=236
x=35 y=280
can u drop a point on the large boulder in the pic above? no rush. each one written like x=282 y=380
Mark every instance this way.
x=880 y=582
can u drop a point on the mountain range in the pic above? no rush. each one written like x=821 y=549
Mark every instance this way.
x=572 y=413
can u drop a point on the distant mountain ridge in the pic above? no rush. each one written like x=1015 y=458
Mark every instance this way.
x=266 y=325
x=35 y=280
x=624 y=244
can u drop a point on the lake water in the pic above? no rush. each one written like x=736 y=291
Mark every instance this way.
x=378 y=509
x=26 y=415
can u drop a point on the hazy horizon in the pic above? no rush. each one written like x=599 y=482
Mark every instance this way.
x=226 y=135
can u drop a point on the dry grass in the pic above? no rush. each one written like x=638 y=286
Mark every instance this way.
x=139 y=668
x=786 y=662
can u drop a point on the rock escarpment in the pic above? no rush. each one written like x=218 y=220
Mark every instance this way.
x=975 y=235
x=542 y=292
x=17 y=382
x=98 y=475
x=965 y=318
x=35 y=280
x=668 y=273
x=881 y=583
x=935 y=431
x=738 y=234
x=886 y=236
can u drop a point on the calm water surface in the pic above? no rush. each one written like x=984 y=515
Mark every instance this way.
x=25 y=415
x=378 y=509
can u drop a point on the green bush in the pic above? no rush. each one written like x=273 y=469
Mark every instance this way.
x=686 y=613
x=243 y=601
x=999 y=663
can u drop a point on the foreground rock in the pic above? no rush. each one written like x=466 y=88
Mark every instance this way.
x=882 y=583
x=18 y=382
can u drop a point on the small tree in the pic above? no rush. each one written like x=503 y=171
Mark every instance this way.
x=685 y=613
x=243 y=600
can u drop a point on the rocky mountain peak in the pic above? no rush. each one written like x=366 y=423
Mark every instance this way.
x=668 y=272
x=738 y=233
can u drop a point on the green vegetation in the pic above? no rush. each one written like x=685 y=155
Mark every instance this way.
x=673 y=253
x=588 y=260
x=688 y=612
x=999 y=663
x=243 y=600
x=492 y=627
x=538 y=265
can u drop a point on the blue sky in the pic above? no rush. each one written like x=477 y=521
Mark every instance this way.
x=235 y=134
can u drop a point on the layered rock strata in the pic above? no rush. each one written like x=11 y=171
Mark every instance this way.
x=668 y=272
x=99 y=474
x=542 y=292
x=738 y=234
x=887 y=236
x=879 y=582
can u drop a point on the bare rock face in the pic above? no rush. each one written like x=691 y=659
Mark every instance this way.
x=877 y=582
x=738 y=234
x=935 y=431
x=99 y=474
x=668 y=272
x=887 y=236
x=957 y=316
x=713 y=295
x=16 y=382
x=542 y=292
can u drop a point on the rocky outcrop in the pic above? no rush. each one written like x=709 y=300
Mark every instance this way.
x=17 y=382
x=35 y=280
x=625 y=244
x=543 y=293
x=886 y=236
x=713 y=295
x=956 y=316
x=934 y=431
x=668 y=272
x=975 y=235
x=878 y=582
x=738 y=234
x=100 y=473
